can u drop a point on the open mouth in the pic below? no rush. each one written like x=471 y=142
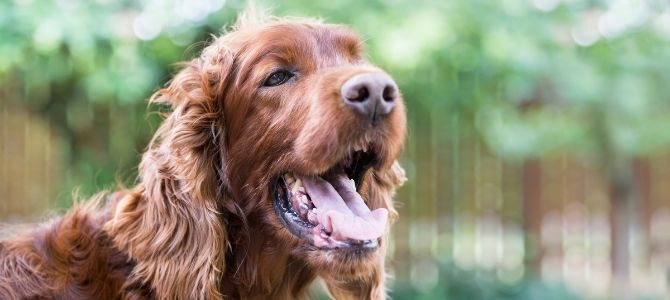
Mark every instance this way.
x=327 y=210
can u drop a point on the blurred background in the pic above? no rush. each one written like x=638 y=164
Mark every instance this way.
x=539 y=148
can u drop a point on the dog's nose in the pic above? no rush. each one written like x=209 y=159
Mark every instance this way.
x=373 y=95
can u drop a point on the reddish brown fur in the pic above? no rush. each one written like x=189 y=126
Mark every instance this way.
x=200 y=224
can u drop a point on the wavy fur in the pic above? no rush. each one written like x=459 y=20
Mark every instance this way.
x=200 y=224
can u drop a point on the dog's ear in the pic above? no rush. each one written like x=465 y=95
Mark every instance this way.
x=172 y=225
x=196 y=127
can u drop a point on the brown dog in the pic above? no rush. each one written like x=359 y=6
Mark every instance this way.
x=276 y=165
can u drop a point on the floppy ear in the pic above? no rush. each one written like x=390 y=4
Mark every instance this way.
x=171 y=225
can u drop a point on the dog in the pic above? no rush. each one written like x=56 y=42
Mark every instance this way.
x=276 y=165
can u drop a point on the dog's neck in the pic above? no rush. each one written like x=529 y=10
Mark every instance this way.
x=257 y=269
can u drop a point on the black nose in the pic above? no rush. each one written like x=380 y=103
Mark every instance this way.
x=373 y=95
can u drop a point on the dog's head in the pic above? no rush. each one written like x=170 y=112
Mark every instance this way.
x=294 y=131
x=305 y=113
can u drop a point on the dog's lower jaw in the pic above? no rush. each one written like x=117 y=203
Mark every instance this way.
x=371 y=287
x=356 y=291
x=296 y=275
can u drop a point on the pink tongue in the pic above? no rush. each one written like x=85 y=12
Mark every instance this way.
x=341 y=209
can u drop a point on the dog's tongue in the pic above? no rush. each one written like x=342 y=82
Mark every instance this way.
x=341 y=209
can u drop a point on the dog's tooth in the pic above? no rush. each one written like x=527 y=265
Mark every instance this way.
x=296 y=186
x=301 y=189
x=304 y=199
x=289 y=180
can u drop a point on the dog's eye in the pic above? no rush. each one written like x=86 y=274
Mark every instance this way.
x=278 y=78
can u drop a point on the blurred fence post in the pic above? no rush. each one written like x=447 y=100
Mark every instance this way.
x=532 y=221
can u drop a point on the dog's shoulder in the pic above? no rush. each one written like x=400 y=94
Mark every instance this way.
x=67 y=257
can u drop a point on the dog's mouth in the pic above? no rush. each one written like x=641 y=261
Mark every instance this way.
x=327 y=210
